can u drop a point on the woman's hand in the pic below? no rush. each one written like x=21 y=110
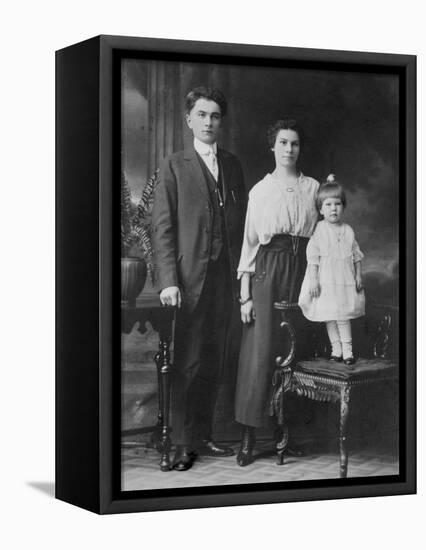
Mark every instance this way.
x=314 y=288
x=358 y=282
x=247 y=312
x=247 y=309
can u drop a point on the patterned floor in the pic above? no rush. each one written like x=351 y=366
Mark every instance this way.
x=140 y=467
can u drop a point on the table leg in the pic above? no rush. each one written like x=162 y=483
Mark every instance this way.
x=156 y=436
x=163 y=368
x=344 y=413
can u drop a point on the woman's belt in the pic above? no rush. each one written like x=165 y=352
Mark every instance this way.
x=286 y=243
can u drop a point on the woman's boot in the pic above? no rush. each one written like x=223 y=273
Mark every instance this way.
x=245 y=454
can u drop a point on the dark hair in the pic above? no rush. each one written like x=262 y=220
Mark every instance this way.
x=330 y=189
x=284 y=124
x=201 y=92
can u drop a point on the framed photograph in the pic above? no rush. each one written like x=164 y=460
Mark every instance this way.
x=235 y=274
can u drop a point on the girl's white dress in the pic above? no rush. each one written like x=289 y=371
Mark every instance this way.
x=334 y=248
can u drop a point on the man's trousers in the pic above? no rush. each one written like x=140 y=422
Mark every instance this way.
x=200 y=349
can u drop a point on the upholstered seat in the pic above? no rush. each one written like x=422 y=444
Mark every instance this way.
x=371 y=368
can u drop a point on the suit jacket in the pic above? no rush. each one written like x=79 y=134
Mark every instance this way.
x=183 y=217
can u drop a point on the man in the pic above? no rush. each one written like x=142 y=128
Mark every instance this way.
x=198 y=221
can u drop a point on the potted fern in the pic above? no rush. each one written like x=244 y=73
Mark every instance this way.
x=136 y=246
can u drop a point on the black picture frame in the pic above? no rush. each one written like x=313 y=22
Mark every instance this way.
x=87 y=353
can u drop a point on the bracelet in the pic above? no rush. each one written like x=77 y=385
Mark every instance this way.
x=243 y=302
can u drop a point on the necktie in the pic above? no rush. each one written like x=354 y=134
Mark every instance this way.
x=213 y=164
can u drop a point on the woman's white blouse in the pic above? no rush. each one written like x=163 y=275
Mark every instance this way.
x=275 y=208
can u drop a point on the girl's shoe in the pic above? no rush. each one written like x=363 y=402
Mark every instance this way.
x=349 y=360
x=336 y=358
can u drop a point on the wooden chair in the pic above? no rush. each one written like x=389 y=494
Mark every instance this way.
x=319 y=379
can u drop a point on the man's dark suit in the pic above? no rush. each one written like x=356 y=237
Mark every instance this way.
x=183 y=222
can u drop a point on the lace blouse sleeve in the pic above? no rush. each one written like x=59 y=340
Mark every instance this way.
x=250 y=244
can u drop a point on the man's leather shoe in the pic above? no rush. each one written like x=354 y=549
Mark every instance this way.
x=208 y=447
x=294 y=451
x=184 y=459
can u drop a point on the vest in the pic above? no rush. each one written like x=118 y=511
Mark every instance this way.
x=218 y=228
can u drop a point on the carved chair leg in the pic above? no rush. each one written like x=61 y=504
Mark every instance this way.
x=281 y=443
x=282 y=434
x=282 y=377
x=344 y=413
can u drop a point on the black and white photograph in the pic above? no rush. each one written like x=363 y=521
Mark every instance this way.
x=212 y=282
x=260 y=246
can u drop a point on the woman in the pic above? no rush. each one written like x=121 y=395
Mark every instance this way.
x=281 y=216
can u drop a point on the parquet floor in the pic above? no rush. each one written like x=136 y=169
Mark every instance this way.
x=140 y=467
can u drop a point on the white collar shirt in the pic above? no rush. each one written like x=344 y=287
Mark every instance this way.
x=209 y=155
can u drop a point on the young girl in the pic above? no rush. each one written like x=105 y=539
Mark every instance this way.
x=332 y=289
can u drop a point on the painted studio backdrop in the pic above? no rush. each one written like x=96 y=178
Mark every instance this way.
x=351 y=125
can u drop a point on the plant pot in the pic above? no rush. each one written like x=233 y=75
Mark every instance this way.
x=133 y=277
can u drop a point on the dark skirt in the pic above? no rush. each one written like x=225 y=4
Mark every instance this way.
x=280 y=268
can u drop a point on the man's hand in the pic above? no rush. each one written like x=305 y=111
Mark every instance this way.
x=171 y=296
